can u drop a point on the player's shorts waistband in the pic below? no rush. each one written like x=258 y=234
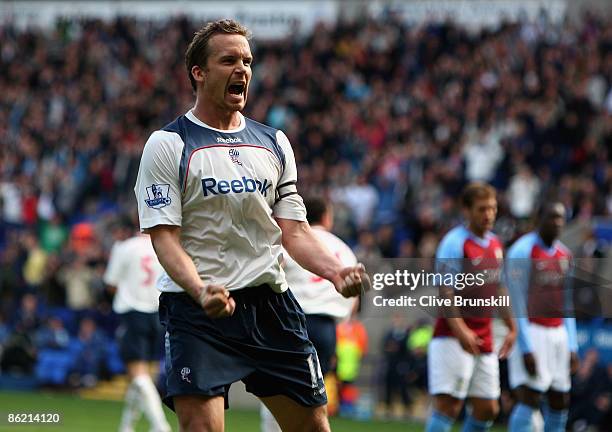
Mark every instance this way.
x=244 y=294
x=321 y=317
x=258 y=291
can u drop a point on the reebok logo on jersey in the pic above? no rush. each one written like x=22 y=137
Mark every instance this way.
x=211 y=186
x=229 y=140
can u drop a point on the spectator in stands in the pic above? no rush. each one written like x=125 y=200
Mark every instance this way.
x=77 y=277
x=89 y=350
x=27 y=317
x=523 y=193
x=4 y=333
x=36 y=261
x=591 y=393
x=53 y=234
x=19 y=355
x=351 y=346
x=52 y=335
x=396 y=366
x=417 y=342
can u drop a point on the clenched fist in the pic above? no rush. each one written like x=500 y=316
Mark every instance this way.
x=216 y=301
x=352 y=281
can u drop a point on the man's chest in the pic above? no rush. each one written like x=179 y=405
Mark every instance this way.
x=231 y=173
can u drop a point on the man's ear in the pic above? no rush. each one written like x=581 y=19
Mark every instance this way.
x=198 y=73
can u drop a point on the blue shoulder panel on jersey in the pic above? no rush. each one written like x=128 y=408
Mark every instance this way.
x=195 y=137
x=264 y=136
x=521 y=249
x=178 y=126
x=450 y=251
x=451 y=246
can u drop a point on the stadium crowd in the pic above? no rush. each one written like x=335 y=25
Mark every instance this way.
x=387 y=120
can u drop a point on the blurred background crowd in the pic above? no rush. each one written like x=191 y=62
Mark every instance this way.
x=386 y=119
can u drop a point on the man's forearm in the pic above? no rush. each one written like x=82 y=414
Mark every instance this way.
x=452 y=313
x=505 y=312
x=306 y=249
x=177 y=263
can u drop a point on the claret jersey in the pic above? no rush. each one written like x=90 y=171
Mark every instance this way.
x=540 y=279
x=223 y=188
x=463 y=251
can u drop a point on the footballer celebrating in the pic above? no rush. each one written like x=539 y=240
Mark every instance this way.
x=461 y=361
x=217 y=193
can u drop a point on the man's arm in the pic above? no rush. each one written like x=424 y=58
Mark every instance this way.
x=449 y=260
x=214 y=299
x=517 y=270
x=569 y=320
x=452 y=314
x=506 y=315
x=310 y=253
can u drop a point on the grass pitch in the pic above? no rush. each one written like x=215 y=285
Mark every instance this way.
x=84 y=415
x=81 y=415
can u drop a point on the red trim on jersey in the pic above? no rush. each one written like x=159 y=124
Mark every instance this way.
x=220 y=145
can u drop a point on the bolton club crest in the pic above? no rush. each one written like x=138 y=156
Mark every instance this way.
x=233 y=154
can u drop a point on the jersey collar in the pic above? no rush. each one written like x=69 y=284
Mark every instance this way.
x=482 y=241
x=549 y=250
x=191 y=117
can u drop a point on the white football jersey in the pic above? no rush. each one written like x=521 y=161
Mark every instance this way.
x=134 y=269
x=223 y=188
x=315 y=294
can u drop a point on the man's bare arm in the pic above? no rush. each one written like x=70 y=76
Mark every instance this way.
x=214 y=299
x=506 y=315
x=466 y=337
x=308 y=251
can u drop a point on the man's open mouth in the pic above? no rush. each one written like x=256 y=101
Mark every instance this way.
x=236 y=88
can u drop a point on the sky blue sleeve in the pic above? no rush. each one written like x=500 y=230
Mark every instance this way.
x=569 y=320
x=449 y=254
x=516 y=275
x=572 y=335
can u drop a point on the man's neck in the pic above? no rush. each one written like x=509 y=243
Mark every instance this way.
x=548 y=242
x=477 y=233
x=224 y=120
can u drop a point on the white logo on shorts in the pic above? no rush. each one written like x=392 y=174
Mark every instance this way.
x=185 y=374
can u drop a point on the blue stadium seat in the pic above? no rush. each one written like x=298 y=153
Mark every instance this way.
x=603 y=231
x=53 y=366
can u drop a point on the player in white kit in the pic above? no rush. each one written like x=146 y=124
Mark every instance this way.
x=321 y=303
x=217 y=192
x=132 y=272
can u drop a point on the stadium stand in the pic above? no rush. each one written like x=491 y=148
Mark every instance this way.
x=388 y=120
